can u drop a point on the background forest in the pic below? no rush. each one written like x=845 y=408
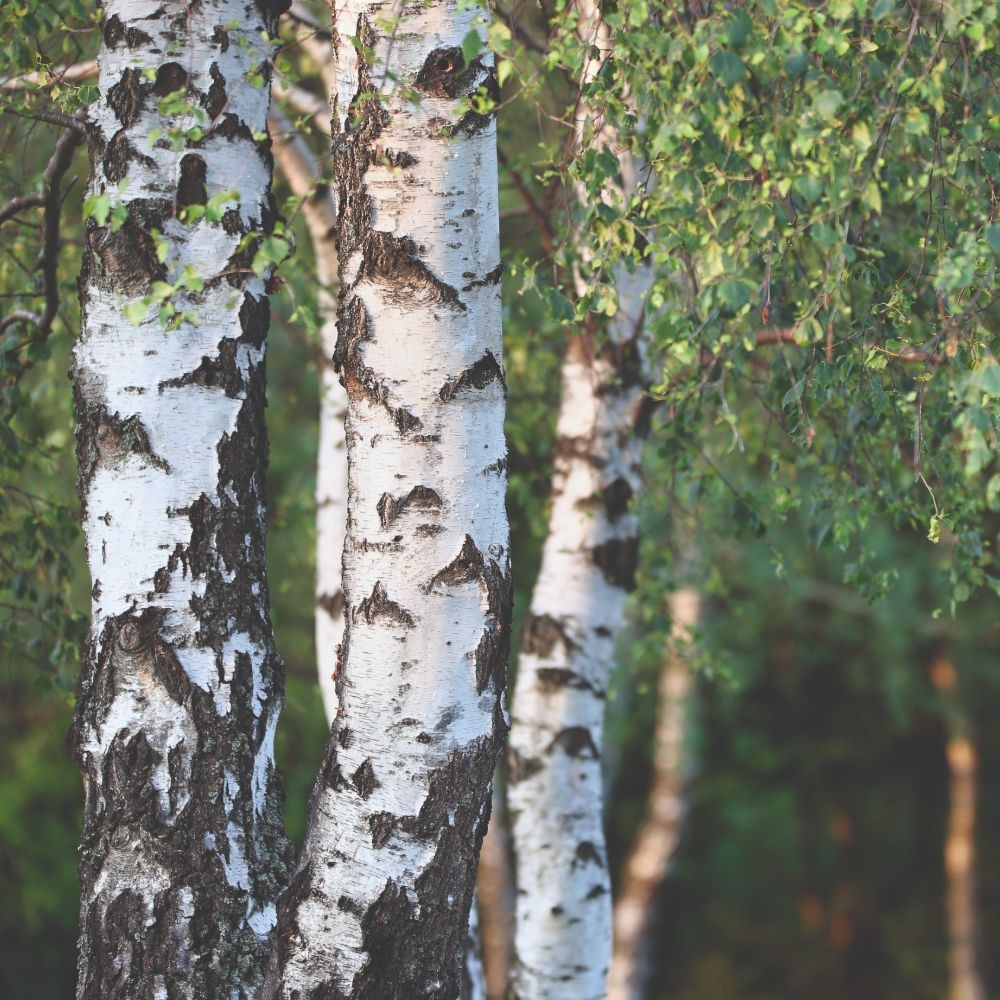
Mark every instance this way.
x=821 y=468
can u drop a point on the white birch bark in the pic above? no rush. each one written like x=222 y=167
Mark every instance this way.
x=302 y=172
x=649 y=861
x=183 y=852
x=577 y=612
x=379 y=905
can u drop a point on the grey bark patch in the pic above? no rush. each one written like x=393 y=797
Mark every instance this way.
x=420 y=498
x=617 y=560
x=378 y=606
x=576 y=741
x=477 y=376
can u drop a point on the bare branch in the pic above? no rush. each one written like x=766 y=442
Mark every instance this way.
x=76 y=123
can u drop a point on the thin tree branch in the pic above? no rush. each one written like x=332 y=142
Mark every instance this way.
x=73 y=122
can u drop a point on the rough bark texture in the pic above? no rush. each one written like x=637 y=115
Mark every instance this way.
x=649 y=862
x=183 y=852
x=303 y=175
x=379 y=904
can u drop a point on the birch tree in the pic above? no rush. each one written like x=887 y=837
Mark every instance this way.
x=379 y=903
x=577 y=612
x=183 y=852
x=302 y=171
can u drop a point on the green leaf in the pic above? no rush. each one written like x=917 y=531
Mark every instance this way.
x=827 y=103
x=472 y=45
x=728 y=67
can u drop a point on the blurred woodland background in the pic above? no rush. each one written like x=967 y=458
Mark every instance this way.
x=840 y=651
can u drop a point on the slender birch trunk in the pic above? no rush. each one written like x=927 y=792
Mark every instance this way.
x=563 y=912
x=183 y=851
x=379 y=904
x=649 y=862
x=302 y=172
x=495 y=902
x=960 y=841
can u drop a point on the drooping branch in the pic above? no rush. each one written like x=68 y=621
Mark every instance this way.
x=50 y=200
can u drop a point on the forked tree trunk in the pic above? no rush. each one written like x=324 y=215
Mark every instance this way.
x=379 y=905
x=183 y=851
x=302 y=173
x=563 y=913
x=635 y=916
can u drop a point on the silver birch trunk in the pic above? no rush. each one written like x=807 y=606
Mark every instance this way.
x=379 y=904
x=577 y=613
x=302 y=173
x=648 y=865
x=183 y=852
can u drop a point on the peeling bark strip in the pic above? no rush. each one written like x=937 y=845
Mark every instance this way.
x=380 y=904
x=183 y=851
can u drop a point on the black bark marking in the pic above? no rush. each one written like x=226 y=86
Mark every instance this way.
x=107 y=439
x=497 y=468
x=587 y=853
x=415 y=948
x=124 y=262
x=220 y=37
x=170 y=78
x=552 y=679
x=192 y=188
x=617 y=560
x=378 y=607
x=542 y=634
x=478 y=376
x=576 y=741
x=597 y=891
x=393 y=262
x=421 y=498
x=490 y=278
x=520 y=768
x=216 y=97
x=616 y=498
x=381 y=825
x=364 y=779
x=127 y=96
x=467 y=566
x=353 y=328
x=119 y=154
x=332 y=604
x=222 y=371
x=399 y=159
